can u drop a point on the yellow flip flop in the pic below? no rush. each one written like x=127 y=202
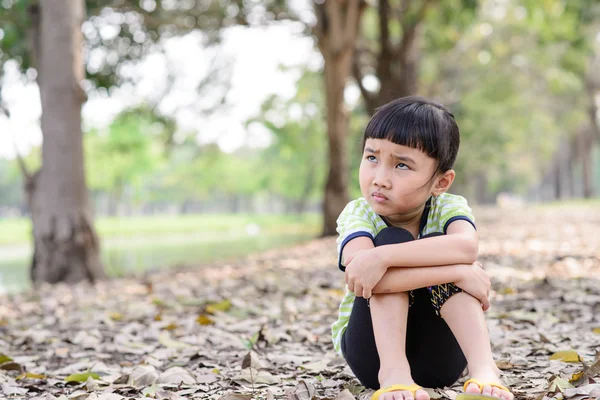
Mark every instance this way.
x=396 y=388
x=475 y=396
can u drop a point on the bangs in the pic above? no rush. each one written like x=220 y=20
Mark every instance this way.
x=415 y=125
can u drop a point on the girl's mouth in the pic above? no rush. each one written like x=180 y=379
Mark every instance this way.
x=379 y=198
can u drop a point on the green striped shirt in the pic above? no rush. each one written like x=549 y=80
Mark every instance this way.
x=358 y=219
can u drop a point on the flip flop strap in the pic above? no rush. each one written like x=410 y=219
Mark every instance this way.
x=481 y=385
x=393 y=388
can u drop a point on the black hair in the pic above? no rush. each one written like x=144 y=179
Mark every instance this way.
x=419 y=123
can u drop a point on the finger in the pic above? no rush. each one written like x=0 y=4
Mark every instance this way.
x=485 y=303
x=350 y=285
x=358 y=289
x=367 y=293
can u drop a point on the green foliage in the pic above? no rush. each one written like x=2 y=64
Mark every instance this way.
x=294 y=164
x=125 y=153
x=11 y=188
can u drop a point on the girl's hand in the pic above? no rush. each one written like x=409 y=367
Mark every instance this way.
x=476 y=282
x=364 y=272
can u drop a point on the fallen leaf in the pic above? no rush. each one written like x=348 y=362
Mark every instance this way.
x=213 y=308
x=504 y=364
x=176 y=376
x=4 y=358
x=116 y=316
x=81 y=377
x=30 y=375
x=203 y=319
x=316 y=367
x=566 y=356
x=10 y=390
x=559 y=384
x=251 y=361
x=257 y=377
x=110 y=396
x=11 y=366
x=302 y=391
x=150 y=391
x=165 y=339
x=235 y=396
x=344 y=395
x=143 y=376
x=354 y=389
x=592 y=390
x=170 y=327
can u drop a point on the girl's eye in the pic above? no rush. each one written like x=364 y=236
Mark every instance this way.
x=371 y=158
x=402 y=166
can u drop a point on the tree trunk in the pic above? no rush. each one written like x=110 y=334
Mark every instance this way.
x=586 y=145
x=66 y=246
x=309 y=184
x=336 y=31
x=395 y=65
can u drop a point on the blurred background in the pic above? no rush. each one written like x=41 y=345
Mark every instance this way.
x=211 y=129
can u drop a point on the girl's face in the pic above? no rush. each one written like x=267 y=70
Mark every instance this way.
x=396 y=180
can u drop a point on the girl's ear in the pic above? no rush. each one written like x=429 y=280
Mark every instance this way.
x=443 y=182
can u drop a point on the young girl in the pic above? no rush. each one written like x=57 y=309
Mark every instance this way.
x=413 y=310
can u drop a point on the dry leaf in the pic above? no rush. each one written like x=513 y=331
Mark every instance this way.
x=559 y=384
x=143 y=376
x=213 y=308
x=251 y=360
x=566 y=356
x=302 y=391
x=203 y=319
x=344 y=395
x=176 y=376
x=81 y=377
x=235 y=396
x=165 y=339
x=257 y=377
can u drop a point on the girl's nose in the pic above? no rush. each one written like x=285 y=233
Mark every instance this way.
x=381 y=178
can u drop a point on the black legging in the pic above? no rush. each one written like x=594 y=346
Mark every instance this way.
x=433 y=353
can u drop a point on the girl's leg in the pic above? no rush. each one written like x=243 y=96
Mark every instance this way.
x=389 y=314
x=358 y=342
x=465 y=317
x=433 y=355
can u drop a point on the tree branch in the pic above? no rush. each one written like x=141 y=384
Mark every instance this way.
x=335 y=30
x=409 y=29
x=384 y=27
x=368 y=97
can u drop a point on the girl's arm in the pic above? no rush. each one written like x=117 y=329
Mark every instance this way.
x=459 y=246
x=397 y=280
x=471 y=278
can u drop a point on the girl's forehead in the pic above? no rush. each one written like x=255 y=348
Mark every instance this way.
x=386 y=145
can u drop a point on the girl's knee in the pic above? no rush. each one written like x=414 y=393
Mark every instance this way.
x=440 y=294
x=392 y=300
x=393 y=235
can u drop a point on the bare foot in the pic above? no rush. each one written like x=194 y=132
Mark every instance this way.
x=399 y=376
x=491 y=375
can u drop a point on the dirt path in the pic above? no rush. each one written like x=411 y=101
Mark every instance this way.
x=187 y=333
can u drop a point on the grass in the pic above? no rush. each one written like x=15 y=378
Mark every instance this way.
x=18 y=230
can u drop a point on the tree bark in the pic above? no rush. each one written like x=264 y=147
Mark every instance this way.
x=395 y=66
x=336 y=32
x=586 y=145
x=66 y=247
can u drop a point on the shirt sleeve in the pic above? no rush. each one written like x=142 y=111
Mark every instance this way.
x=455 y=209
x=354 y=221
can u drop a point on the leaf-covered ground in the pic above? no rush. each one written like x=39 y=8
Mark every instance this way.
x=187 y=333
